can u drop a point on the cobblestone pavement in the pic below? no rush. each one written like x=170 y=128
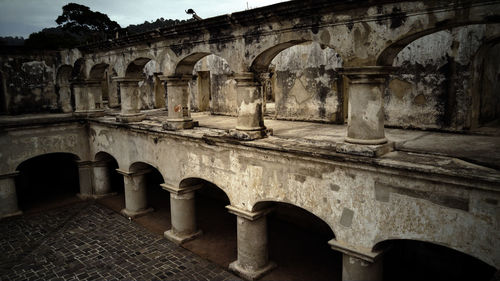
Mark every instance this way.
x=86 y=241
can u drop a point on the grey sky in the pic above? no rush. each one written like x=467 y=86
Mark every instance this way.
x=22 y=17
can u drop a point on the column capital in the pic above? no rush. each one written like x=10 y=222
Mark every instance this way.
x=84 y=163
x=362 y=254
x=78 y=82
x=359 y=74
x=126 y=80
x=93 y=82
x=133 y=174
x=9 y=175
x=249 y=215
x=180 y=190
x=246 y=79
x=176 y=80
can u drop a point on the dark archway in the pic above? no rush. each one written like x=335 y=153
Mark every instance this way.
x=298 y=243
x=47 y=181
x=417 y=260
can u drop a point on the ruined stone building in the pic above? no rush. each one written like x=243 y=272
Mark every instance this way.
x=374 y=125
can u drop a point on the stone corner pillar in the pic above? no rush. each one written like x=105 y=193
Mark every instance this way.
x=359 y=265
x=365 y=123
x=101 y=180
x=177 y=88
x=250 y=123
x=88 y=98
x=85 y=175
x=253 y=260
x=8 y=196
x=136 y=204
x=183 y=213
x=130 y=100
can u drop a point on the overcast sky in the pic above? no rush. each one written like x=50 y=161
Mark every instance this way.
x=23 y=17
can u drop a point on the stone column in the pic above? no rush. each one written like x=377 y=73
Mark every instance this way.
x=179 y=116
x=85 y=179
x=253 y=261
x=130 y=101
x=95 y=95
x=65 y=97
x=81 y=99
x=102 y=179
x=250 y=123
x=365 y=123
x=88 y=95
x=183 y=214
x=135 y=194
x=265 y=81
x=8 y=196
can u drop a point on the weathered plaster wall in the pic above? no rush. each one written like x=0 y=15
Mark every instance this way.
x=305 y=83
x=432 y=88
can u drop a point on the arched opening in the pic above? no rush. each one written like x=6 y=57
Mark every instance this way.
x=432 y=88
x=115 y=181
x=418 y=260
x=218 y=242
x=300 y=82
x=47 y=181
x=298 y=243
x=151 y=91
x=63 y=88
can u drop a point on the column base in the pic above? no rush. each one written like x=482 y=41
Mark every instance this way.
x=85 y=196
x=251 y=274
x=13 y=214
x=100 y=196
x=251 y=134
x=129 y=118
x=135 y=214
x=179 y=125
x=89 y=113
x=179 y=239
x=370 y=150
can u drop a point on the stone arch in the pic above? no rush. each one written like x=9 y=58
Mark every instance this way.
x=262 y=61
x=423 y=260
x=78 y=71
x=136 y=67
x=147 y=70
x=185 y=66
x=141 y=166
x=106 y=179
x=193 y=181
x=63 y=88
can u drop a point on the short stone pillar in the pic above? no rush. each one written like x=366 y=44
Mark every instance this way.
x=183 y=213
x=136 y=203
x=102 y=179
x=365 y=123
x=94 y=88
x=85 y=99
x=65 y=97
x=179 y=116
x=250 y=123
x=85 y=178
x=8 y=196
x=253 y=260
x=130 y=101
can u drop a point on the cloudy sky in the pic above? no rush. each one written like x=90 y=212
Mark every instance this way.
x=22 y=17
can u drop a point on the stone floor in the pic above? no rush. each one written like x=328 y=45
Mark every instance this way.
x=86 y=241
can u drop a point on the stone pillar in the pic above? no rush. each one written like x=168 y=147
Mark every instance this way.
x=102 y=180
x=250 y=123
x=130 y=101
x=87 y=95
x=85 y=178
x=365 y=123
x=253 y=261
x=179 y=116
x=135 y=194
x=265 y=81
x=65 y=97
x=183 y=214
x=8 y=196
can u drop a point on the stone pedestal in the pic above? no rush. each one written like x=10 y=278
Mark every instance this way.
x=130 y=101
x=85 y=178
x=8 y=196
x=136 y=204
x=253 y=261
x=88 y=98
x=179 y=116
x=250 y=123
x=365 y=123
x=183 y=214
x=101 y=180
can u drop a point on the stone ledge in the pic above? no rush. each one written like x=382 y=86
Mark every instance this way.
x=179 y=238
x=251 y=274
x=364 y=150
x=135 y=214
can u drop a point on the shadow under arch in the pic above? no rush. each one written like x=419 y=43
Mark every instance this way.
x=110 y=162
x=416 y=260
x=136 y=67
x=262 y=61
x=47 y=181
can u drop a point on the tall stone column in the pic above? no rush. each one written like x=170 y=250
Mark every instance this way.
x=250 y=123
x=253 y=261
x=8 y=196
x=101 y=179
x=130 y=101
x=85 y=179
x=179 y=116
x=88 y=98
x=183 y=213
x=365 y=123
x=136 y=203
